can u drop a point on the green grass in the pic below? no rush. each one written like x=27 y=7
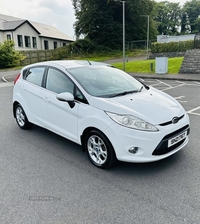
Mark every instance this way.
x=113 y=55
x=174 y=65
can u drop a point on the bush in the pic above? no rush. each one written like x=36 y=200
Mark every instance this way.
x=180 y=46
x=8 y=56
x=86 y=47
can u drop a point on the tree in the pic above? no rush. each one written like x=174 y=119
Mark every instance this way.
x=184 y=26
x=95 y=21
x=168 y=18
x=101 y=21
x=136 y=19
x=8 y=56
x=192 y=12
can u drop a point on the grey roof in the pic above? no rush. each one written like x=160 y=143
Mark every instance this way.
x=50 y=31
x=12 y=23
x=5 y=18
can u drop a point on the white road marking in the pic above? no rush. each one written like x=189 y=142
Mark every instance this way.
x=174 y=84
x=173 y=87
x=3 y=78
x=179 y=99
x=189 y=84
x=182 y=101
x=192 y=111
x=164 y=83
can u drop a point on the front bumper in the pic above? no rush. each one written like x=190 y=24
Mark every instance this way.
x=151 y=146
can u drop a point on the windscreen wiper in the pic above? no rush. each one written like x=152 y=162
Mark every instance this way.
x=124 y=93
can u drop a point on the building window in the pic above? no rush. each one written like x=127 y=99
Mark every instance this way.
x=27 y=41
x=34 y=42
x=55 y=45
x=64 y=44
x=46 y=45
x=8 y=37
x=20 y=41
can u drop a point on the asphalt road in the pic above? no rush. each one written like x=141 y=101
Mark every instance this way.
x=10 y=75
x=47 y=179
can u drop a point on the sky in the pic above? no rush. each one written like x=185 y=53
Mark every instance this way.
x=57 y=13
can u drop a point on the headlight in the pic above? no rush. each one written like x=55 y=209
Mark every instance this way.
x=133 y=122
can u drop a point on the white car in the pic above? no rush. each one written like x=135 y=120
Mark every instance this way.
x=107 y=111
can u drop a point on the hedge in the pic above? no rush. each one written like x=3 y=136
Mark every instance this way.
x=180 y=46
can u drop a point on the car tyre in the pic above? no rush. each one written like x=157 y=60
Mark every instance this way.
x=21 y=118
x=99 y=150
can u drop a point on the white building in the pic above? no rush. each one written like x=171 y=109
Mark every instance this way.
x=167 y=38
x=29 y=35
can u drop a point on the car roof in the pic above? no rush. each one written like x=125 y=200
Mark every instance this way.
x=69 y=63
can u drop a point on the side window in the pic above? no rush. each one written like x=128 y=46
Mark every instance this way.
x=35 y=75
x=57 y=82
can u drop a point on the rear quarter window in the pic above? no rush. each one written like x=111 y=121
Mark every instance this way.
x=34 y=75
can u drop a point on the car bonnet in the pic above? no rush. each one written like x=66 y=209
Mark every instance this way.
x=150 y=105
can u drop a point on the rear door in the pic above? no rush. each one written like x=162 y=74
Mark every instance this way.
x=31 y=87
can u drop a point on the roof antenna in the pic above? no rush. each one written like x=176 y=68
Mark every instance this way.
x=82 y=55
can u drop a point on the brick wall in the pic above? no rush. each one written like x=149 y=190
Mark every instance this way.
x=191 y=62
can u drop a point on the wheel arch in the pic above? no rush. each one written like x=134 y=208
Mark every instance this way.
x=25 y=124
x=110 y=150
x=84 y=134
x=14 y=105
x=89 y=129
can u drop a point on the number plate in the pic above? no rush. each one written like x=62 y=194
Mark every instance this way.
x=177 y=139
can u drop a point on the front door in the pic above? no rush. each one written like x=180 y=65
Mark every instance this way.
x=58 y=116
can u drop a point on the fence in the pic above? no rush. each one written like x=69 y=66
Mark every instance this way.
x=45 y=55
x=138 y=44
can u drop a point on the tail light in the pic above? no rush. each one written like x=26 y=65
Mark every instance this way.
x=17 y=78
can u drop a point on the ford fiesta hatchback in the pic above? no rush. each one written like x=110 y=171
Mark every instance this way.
x=107 y=111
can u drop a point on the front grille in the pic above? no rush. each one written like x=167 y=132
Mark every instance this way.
x=163 y=148
x=170 y=122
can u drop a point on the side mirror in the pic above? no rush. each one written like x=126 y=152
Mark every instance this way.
x=66 y=97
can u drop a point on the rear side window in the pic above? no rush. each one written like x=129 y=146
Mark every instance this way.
x=35 y=75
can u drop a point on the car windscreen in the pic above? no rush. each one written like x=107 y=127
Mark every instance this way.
x=104 y=81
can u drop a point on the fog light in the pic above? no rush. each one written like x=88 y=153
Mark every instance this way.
x=133 y=150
